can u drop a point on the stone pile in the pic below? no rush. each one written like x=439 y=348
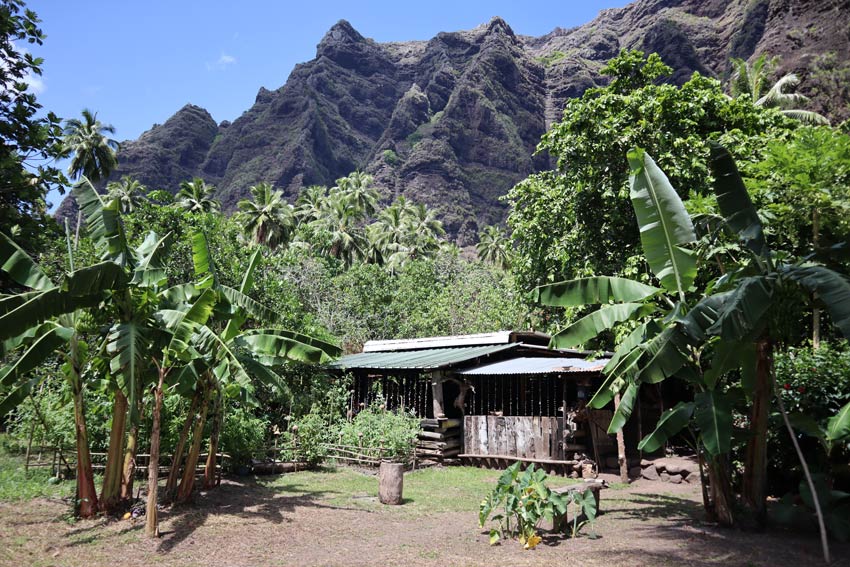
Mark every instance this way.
x=675 y=470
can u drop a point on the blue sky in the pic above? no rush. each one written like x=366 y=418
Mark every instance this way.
x=137 y=62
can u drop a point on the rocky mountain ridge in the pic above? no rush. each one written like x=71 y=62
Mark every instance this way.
x=454 y=121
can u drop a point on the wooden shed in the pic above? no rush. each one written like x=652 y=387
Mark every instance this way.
x=488 y=398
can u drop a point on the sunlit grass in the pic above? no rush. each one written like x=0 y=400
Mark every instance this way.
x=17 y=484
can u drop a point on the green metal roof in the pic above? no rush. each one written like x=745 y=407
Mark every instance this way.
x=427 y=359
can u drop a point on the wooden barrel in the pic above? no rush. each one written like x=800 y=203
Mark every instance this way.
x=391 y=483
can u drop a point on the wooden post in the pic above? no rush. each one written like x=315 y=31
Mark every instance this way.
x=391 y=483
x=437 y=391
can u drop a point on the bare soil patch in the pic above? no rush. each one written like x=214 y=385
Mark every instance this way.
x=334 y=519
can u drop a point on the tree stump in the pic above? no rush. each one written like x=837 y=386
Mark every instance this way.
x=391 y=483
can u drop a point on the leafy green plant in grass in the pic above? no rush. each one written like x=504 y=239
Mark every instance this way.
x=375 y=426
x=521 y=500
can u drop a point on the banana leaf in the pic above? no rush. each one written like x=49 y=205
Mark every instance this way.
x=669 y=424
x=713 y=415
x=21 y=268
x=600 y=320
x=591 y=291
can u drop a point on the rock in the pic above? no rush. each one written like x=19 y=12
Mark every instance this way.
x=649 y=473
x=675 y=479
x=645 y=462
x=673 y=468
x=664 y=477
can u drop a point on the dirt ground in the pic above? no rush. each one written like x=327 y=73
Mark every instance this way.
x=254 y=522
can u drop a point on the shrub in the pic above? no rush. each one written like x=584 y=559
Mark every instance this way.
x=394 y=431
x=242 y=436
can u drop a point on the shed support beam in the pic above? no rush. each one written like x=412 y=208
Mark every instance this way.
x=437 y=394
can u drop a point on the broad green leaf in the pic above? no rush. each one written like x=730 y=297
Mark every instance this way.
x=150 y=268
x=662 y=357
x=48 y=338
x=18 y=394
x=617 y=378
x=40 y=307
x=95 y=279
x=807 y=424
x=665 y=226
x=713 y=414
x=703 y=315
x=669 y=424
x=21 y=268
x=838 y=426
x=103 y=222
x=734 y=201
x=591 y=291
x=728 y=356
x=624 y=410
x=742 y=315
x=248 y=278
x=832 y=288
x=600 y=320
x=201 y=257
x=282 y=344
x=127 y=344
x=257 y=310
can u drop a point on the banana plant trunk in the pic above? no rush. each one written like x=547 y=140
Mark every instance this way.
x=720 y=489
x=177 y=460
x=151 y=516
x=110 y=493
x=212 y=457
x=754 y=490
x=86 y=493
x=131 y=448
x=187 y=482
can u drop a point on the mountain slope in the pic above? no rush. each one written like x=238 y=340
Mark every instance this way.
x=453 y=122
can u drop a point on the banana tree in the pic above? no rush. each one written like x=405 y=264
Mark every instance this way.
x=669 y=334
x=41 y=320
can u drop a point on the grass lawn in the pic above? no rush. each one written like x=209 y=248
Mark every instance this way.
x=333 y=517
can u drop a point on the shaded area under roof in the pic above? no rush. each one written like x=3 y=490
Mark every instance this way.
x=428 y=359
x=528 y=365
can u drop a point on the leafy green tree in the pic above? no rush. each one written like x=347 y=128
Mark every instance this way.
x=493 y=247
x=576 y=220
x=752 y=81
x=129 y=192
x=93 y=152
x=310 y=203
x=29 y=143
x=268 y=218
x=196 y=196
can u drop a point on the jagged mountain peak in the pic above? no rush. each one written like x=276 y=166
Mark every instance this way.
x=454 y=121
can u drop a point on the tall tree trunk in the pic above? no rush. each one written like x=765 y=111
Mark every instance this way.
x=111 y=491
x=131 y=448
x=720 y=487
x=151 y=516
x=177 y=460
x=187 y=482
x=754 y=490
x=86 y=493
x=212 y=458
x=621 y=446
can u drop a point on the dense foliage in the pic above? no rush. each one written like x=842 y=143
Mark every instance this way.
x=576 y=220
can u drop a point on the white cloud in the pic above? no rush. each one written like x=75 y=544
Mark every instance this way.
x=35 y=83
x=222 y=63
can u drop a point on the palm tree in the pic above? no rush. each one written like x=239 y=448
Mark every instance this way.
x=128 y=192
x=751 y=81
x=493 y=247
x=340 y=223
x=267 y=218
x=357 y=191
x=195 y=196
x=311 y=202
x=94 y=152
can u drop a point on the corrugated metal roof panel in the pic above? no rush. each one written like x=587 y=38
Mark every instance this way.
x=497 y=338
x=429 y=359
x=529 y=365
